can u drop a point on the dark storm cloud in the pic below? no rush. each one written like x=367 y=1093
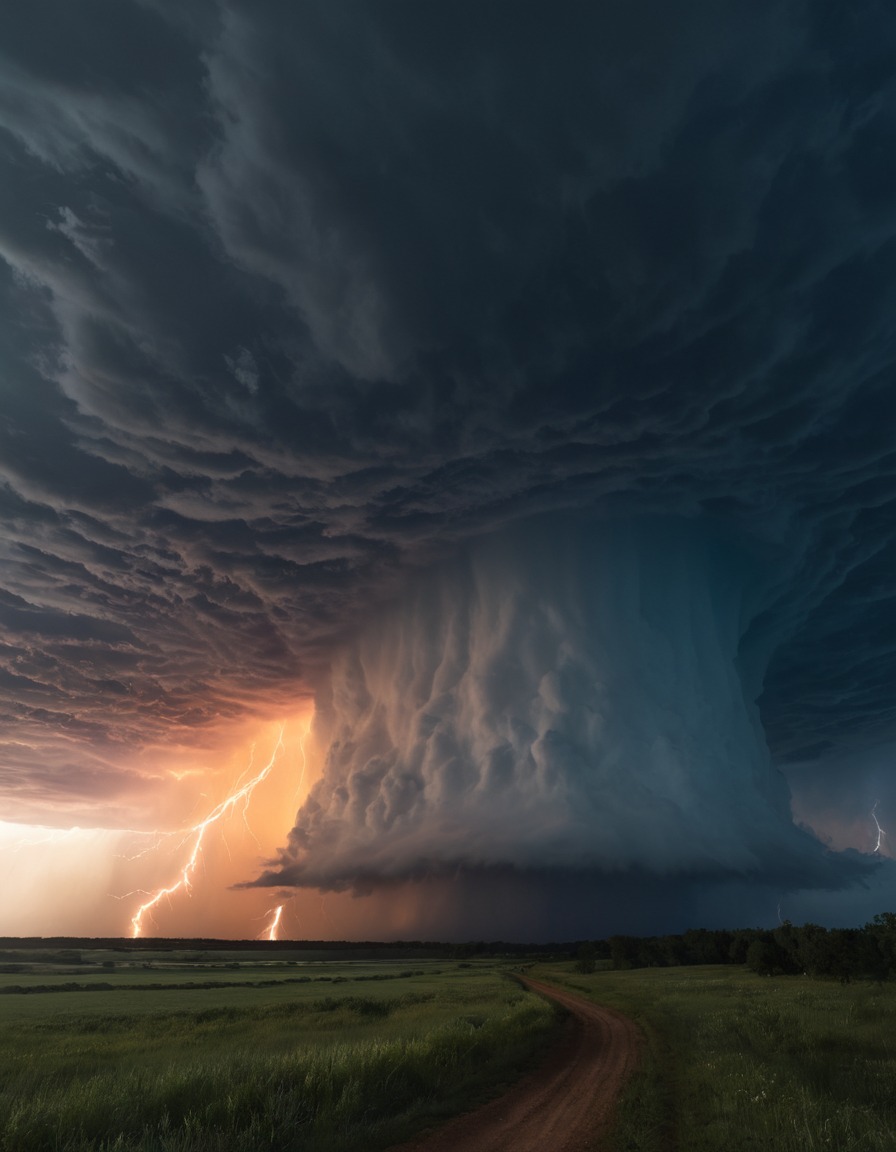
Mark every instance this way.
x=298 y=298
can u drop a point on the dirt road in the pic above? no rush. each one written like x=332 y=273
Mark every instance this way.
x=564 y=1105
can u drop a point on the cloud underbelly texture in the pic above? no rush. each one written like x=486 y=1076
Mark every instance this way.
x=561 y=697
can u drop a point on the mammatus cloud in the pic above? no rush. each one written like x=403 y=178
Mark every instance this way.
x=302 y=302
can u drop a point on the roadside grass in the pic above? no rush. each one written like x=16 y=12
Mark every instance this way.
x=742 y=1062
x=320 y=1068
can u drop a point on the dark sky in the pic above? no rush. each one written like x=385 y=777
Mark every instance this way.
x=516 y=379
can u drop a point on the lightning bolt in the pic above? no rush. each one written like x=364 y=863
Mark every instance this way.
x=51 y=836
x=56 y=835
x=880 y=832
x=272 y=929
x=242 y=794
x=270 y=933
x=159 y=839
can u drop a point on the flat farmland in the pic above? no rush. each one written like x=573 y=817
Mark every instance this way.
x=251 y=1054
x=135 y=987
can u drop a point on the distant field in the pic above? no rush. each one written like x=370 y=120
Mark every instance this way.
x=745 y=1063
x=354 y=1055
x=41 y=990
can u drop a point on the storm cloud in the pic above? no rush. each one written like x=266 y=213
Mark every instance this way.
x=565 y=698
x=349 y=346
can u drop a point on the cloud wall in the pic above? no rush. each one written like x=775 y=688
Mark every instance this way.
x=566 y=696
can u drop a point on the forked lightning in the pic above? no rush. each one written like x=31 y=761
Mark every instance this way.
x=243 y=794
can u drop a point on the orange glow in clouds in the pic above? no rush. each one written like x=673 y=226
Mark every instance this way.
x=229 y=844
x=226 y=810
x=165 y=864
x=241 y=795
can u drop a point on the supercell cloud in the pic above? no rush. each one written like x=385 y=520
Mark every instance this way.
x=515 y=380
x=567 y=698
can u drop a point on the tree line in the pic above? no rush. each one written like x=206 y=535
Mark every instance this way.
x=840 y=953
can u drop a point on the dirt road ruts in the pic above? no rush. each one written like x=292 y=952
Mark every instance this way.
x=564 y=1105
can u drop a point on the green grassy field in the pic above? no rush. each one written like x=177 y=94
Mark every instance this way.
x=741 y=1063
x=245 y=1053
x=354 y=1055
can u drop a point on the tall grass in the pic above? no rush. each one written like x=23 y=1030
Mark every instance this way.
x=743 y=1062
x=198 y=1088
